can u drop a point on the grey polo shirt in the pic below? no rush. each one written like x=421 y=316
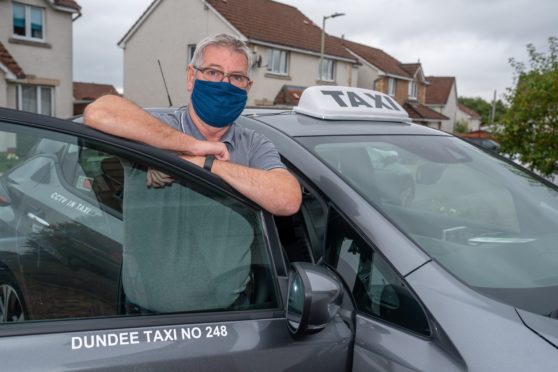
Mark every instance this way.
x=246 y=146
x=183 y=249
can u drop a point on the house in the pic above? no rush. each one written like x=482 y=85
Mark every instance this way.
x=36 y=55
x=285 y=44
x=85 y=93
x=441 y=96
x=468 y=116
x=405 y=82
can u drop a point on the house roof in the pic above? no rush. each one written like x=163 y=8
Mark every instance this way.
x=265 y=21
x=378 y=58
x=10 y=63
x=68 y=3
x=92 y=91
x=277 y=23
x=411 y=68
x=438 y=92
x=421 y=112
x=472 y=113
x=289 y=95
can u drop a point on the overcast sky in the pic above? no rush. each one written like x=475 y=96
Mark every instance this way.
x=469 y=39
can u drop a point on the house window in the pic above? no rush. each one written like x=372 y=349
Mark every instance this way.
x=28 y=21
x=412 y=89
x=191 y=50
x=277 y=61
x=36 y=98
x=327 y=70
x=391 y=86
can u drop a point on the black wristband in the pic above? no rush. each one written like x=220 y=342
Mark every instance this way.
x=208 y=163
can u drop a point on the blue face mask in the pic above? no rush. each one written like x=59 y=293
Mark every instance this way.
x=218 y=103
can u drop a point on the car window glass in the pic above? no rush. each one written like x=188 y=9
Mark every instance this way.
x=488 y=222
x=82 y=235
x=377 y=289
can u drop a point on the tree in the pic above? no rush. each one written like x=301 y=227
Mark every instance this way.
x=484 y=108
x=530 y=126
x=461 y=127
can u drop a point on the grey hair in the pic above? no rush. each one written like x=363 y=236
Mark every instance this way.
x=223 y=40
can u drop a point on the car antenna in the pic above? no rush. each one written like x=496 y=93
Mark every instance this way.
x=164 y=82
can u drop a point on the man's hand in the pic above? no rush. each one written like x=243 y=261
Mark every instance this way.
x=156 y=178
x=203 y=148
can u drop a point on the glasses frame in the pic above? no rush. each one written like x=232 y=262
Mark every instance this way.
x=225 y=75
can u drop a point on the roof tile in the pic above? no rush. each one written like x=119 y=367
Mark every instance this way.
x=419 y=111
x=377 y=57
x=11 y=64
x=277 y=23
x=472 y=113
x=437 y=93
x=92 y=91
x=68 y=3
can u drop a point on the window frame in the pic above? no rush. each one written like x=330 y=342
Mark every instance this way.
x=28 y=22
x=38 y=106
x=278 y=61
x=327 y=70
x=190 y=49
x=413 y=90
x=331 y=258
x=392 y=86
x=15 y=123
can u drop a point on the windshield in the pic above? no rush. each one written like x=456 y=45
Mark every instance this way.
x=485 y=220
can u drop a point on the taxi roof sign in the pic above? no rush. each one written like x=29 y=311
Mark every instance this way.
x=337 y=103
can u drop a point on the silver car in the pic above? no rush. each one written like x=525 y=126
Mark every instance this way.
x=412 y=250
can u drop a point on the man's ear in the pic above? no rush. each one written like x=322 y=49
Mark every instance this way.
x=190 y=77
x=249 y=86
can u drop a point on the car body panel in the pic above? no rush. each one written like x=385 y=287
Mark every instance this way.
x=489 y=334
x=543 y=326
x=249 y=345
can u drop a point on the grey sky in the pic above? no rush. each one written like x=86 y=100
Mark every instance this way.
x=469 y=39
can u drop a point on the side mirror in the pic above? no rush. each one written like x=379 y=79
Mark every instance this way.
x=313 y=298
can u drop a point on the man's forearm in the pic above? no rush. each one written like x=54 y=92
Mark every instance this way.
x=120 y=117
x=275 y=190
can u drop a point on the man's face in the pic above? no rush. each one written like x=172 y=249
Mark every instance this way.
x=223 y=59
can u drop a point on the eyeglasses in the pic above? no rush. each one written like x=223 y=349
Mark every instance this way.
x=212 y=74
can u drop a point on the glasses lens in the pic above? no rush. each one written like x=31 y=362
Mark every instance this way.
x=240 y=81
x=213 y=74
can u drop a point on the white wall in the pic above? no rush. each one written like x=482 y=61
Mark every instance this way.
x=450 y=110
x=190 y=22
x=165 y=35
x=54 y=63
x=303 y=71
x=472 y=124
x=367 y=75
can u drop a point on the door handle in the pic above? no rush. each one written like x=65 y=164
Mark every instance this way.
x=37 y=219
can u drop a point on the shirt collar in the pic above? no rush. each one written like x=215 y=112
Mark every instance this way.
x=186 y=122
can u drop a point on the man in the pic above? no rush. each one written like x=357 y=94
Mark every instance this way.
x=203 y=133
x=219 y=82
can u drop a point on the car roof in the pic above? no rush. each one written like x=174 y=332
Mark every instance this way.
x=337 y=110
x=300 y=125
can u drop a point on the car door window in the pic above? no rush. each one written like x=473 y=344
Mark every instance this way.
x=377 y=289
x=82 y=235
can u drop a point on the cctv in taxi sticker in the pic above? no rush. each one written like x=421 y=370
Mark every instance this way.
x=349 y=103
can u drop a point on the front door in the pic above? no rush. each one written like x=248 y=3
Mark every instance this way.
x=106 y=272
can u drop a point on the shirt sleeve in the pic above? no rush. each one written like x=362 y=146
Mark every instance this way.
x=171 y=119
x=264 y=154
